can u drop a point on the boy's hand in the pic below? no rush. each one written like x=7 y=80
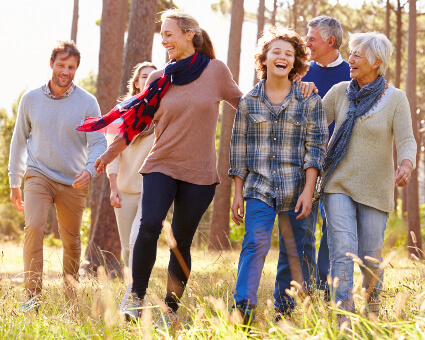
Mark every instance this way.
x=306 y=201
x=237 y=209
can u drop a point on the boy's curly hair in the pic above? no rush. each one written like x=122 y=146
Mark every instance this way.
x=289 y=35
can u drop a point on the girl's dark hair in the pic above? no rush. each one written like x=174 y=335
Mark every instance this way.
x=201 y=39
x=289 y=35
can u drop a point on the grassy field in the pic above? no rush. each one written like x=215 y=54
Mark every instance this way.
x=204 y=311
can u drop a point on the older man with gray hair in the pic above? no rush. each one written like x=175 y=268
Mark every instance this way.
x=327 y=68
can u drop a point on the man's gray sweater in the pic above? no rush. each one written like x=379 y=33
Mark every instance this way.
x=45 y=139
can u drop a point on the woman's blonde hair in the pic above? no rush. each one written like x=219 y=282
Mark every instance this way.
x=201 y=39
x=289 y=35
x=133 y=90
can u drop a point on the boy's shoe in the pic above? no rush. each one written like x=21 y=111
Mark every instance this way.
x=282 y=314
x=133 y=309
x=32 y=303
x=373 y=305
x=247 y=313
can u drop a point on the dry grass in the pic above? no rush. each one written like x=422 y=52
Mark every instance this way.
x=204 y=311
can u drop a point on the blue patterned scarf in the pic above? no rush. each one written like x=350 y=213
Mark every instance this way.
x=361 y=101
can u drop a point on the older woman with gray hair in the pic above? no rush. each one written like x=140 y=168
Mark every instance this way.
x=358 y=179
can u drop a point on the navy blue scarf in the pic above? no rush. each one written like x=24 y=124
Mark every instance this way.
x=137 y=112
x=361 y=101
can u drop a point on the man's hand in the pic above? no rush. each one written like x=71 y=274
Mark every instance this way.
x=306 y=201
x=16 y=198
x=308 y=88
x=238 y=209
x=82 y=181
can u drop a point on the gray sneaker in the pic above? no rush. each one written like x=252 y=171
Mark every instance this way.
x=31 y=304
x=169 y=319
x=132 y=308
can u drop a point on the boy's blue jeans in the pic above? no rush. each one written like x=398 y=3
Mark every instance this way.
x=259 y=223
x=358 y=229
x=319 y=270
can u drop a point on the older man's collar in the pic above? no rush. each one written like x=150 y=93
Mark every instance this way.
x=67 y=93
x=335 y=63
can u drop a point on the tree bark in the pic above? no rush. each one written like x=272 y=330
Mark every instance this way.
x=74 y=22
x=398 y=46
x=260 y=27
x=273 y=20
x=141 y=29
x=104 y=246
x=387 y=33
x=219 y=230
x=54 y=222
x=413 y=221
x=397 y=85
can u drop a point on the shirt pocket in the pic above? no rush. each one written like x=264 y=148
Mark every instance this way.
x=295 y=130
x=258 y=132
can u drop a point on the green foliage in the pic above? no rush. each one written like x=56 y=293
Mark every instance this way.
x=7 y=124
x=85 y=226
x=89 y=83
x=11 y=221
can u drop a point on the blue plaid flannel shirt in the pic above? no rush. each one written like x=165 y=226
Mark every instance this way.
x=271 y=152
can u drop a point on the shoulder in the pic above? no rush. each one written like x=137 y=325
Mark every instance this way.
x=33 y=94
x=340 y=87
x=216 y=63
x=154 y=76
x=217 y=67
x=84 y=94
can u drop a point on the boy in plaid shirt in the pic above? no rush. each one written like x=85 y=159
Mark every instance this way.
x=277 y=149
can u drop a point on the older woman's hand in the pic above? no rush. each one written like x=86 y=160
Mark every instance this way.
x=402 y=174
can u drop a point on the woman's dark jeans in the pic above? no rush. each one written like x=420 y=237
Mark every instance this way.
x=190 y=203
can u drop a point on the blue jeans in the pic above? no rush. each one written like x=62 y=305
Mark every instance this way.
x=358 y=229
x=259 y=223
x=190 y=203
x=319 y=270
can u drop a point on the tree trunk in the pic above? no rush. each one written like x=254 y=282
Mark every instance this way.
x=104 y=246
x=398 y=47
x=260 y=27
x=273 y=20
x=219 y=230
x=295 y=15
x=138 y=47
x=74 y=22
x=413 y=222
x=387 y=33
x=397 y=85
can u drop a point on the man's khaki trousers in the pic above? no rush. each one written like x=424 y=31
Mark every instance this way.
x=40 y=193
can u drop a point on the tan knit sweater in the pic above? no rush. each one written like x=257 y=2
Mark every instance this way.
x=366 y=174
x=185 y=127
x=127 y=164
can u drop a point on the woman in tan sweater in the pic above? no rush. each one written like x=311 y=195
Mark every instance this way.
x=124 y=178
x=358 y=180
x=181 y=167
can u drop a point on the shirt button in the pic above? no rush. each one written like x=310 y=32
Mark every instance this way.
x=274 y=156
x=276 y=121
x=274 y=138
x=277 y=188
x=274 y=172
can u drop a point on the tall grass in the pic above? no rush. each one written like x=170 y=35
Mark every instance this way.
x=204 y=314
